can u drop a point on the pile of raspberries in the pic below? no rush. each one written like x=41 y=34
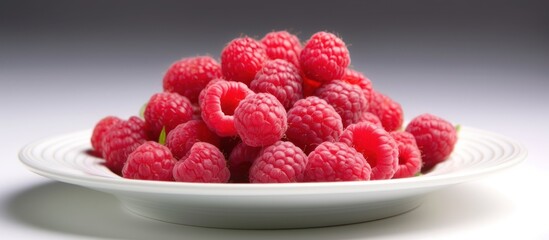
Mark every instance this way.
x=271 y=111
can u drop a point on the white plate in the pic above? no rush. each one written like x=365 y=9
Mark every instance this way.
x=270 y=206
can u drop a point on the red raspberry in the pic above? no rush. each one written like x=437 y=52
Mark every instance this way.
x=435 y=138
x=332 y=162
x=166 y=110
x=312 y=121
x=260 y=120
x=371 y=118
x=357 y=78
x=219 y=103
x=347 y=99
x=387 y=110
x=150 y=161
x=281 y=79
x=240 y=160
x=281 y=162
x=242 y=58
x=182 y=137
x=282 y=45
x=377 y=146
x=189 y=76
x=121 y=140
x=99 y=132
x=409 y=156
x=324 y=58
x=203 y=163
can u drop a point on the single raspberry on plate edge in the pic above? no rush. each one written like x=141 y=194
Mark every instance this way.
x=203 y=163
x=166 y=110
x=242 y=58
x=409 y=156
x=183 y=137
x=100 y=130
x=150 y=161
x=260 y=120
x=282 y=45
x=348 y=100
x=331 y=162
x=435 y=138
x=377 y=146
x=218 y=104
x=189 y=76
x=121 y=140
x=324 y=58
x=281 y=79
x=312 y=121
x=281 y=162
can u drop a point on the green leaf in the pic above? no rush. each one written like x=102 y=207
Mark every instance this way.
x=418 y=174
x=162 y=137
x=458 y=128
x=142 y=110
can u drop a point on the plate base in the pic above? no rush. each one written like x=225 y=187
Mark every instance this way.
x=287 y=218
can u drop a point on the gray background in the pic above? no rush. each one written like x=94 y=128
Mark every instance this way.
x=66 y=64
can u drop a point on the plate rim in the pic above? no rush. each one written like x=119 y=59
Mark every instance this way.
x=184 y=188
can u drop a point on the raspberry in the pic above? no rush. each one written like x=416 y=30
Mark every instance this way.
x=150 y=161
x=260 y=120
x=281 y=79
x=282 y=45
x=166 y=110
x=387 y=110
x=189 y=76
x=435 y=138
x=203 y=163
x=218 y=104
x=242 y=58
x=409 y=156
x=100 y=130
x=121 y=140
x=312 y=121
x=281 y=162
x=357 y=78
x=371 y=118
x=331 y=162
x=377 y=146
x=182 y=137
x=324 y=58
x=347 y=99
x=240 y=160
